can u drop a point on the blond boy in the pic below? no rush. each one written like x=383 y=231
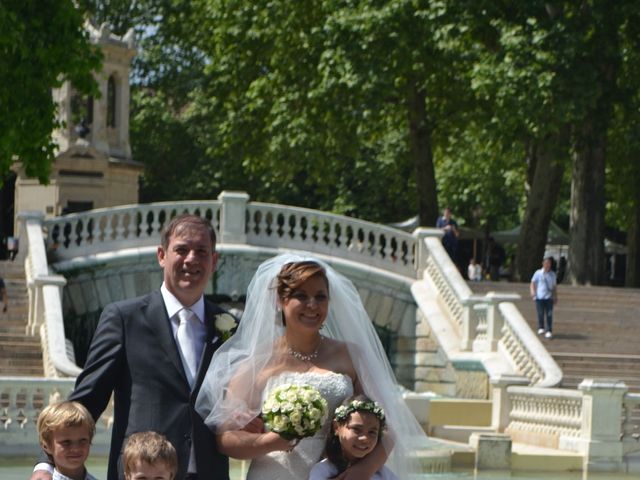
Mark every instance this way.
x=149 y=455
x=65 y=431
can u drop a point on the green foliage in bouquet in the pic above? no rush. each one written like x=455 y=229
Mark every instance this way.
x=294 y=411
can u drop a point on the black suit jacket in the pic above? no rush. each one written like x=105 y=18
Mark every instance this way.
x=134 y=355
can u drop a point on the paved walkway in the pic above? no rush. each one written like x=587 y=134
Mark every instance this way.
x=596 y=330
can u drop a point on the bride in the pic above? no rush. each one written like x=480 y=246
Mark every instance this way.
x=303 y=324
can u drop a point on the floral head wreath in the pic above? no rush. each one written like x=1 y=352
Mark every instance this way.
x=342 y=412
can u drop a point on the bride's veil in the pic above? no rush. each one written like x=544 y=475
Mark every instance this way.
x=231 y=392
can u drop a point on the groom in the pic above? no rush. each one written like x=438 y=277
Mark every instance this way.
x=154 y=371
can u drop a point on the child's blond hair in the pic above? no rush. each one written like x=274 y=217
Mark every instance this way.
x=63 y=415
x=149 y=447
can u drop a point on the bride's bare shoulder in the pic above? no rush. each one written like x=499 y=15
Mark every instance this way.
x=339 y=347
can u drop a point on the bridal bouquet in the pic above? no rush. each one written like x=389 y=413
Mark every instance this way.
x=294 y=411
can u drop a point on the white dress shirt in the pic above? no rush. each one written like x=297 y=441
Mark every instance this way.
x=173 y=306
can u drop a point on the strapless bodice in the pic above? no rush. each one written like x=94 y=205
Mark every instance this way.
x=294 y=465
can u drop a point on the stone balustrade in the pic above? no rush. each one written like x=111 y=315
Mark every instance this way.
x=482 y=324
x=45 y=304
x=87 y=241
x=524 y=349
x=236 y=221
x=22 y=399
x=599 y=420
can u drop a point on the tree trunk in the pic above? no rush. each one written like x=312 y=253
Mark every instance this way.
x=421 y=151
x=633 y=246
x=548 y=168
x=586 y=246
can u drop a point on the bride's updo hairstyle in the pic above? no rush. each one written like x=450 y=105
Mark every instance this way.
x=294 y=274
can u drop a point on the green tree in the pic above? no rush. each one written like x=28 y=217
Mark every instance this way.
x=41 y=45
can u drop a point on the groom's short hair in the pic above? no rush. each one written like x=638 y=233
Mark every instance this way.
x=186 y=221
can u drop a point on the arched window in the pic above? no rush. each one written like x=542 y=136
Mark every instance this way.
x=81 y=108
x=111 y=102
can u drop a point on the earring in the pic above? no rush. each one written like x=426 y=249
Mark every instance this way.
x=279 y=318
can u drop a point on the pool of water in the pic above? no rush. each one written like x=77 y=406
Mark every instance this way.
x=20 y=469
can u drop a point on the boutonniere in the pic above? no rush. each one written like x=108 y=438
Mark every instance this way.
x=225 y=324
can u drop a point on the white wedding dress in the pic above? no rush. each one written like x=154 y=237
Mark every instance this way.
x=297 y=464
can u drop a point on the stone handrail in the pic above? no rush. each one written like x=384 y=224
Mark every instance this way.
x=545 y=416
x=108 y=229
x=377 y=245
x=519 y=343
x=455 y=295
x=236 y=220
x=586 y=420
x=489 y=323
x=45 y=305
x=480 y=327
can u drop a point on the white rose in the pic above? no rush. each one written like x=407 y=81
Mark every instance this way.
x=291 y=396
x=225 y=322
x=280 y=424
x=295 y=417
x=315 y=414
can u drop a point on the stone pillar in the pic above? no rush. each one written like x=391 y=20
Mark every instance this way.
x=233 y=216
x=469 y=324
x=493 y=451
x=23 y=219
x=495 y=321
x=601 y=424
x=500 y=403
x=421 y=233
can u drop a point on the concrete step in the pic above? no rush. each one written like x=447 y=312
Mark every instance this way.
x=18 y=337
x=595 y=329
x=22 y=371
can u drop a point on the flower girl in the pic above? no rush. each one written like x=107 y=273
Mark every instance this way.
x=356 y=429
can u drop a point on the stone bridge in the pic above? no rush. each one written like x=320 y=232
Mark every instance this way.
x=439 y=336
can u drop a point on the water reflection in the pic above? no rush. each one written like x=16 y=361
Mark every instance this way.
x=20 y=468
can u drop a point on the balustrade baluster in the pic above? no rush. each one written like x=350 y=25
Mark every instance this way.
x=296 y=230
x=252 y=225
x=30 y=409
x=120 y=227
x=330 y=234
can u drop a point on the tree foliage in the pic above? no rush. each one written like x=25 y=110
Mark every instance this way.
x=384 y=109
x=41 y=45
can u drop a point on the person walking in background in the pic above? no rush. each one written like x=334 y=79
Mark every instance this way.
x=5 y=297
x=451 y=233
x=544 y=292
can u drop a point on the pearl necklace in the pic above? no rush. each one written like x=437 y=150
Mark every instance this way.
x=304 y=357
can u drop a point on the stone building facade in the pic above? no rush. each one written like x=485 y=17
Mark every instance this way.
x=94 y=167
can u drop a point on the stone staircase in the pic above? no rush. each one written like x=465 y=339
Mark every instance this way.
x=20 y=355
x=596 y=330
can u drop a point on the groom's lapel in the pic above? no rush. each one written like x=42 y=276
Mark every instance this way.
x=158 y=321
x=212 y=342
